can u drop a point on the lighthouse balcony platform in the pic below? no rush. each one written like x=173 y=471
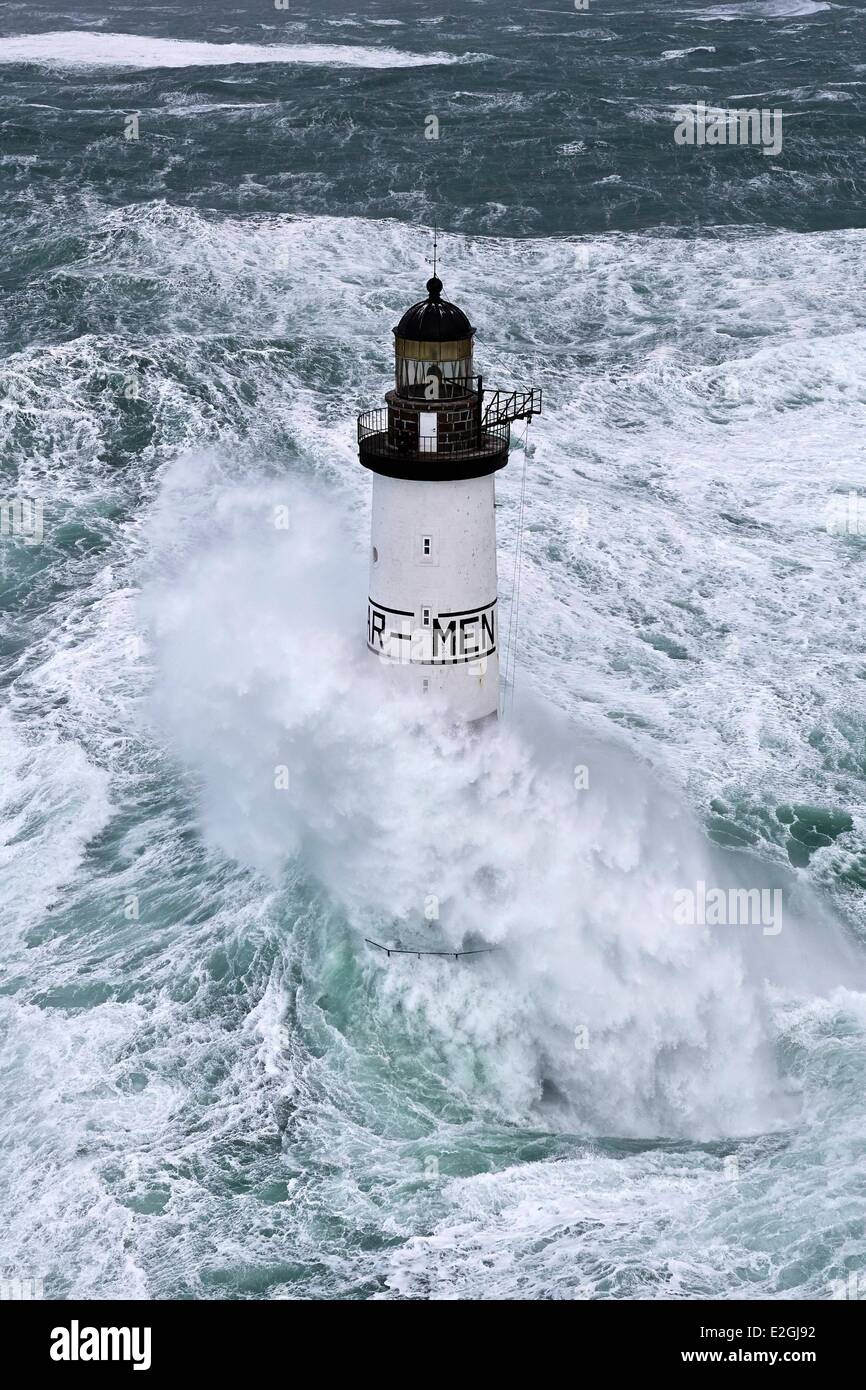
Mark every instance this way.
x=385 y=446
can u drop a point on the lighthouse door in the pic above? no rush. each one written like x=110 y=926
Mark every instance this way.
x=427 y=432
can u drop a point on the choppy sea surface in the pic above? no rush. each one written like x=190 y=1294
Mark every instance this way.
x=210 y=1087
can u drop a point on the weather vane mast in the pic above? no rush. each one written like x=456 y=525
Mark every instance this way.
x=435 y=244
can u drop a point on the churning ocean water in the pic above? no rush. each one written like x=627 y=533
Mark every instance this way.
x=210 y=1086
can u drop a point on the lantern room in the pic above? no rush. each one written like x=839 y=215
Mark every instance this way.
x=433 y=343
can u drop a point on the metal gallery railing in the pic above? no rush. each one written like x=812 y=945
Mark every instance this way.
x=377 y=439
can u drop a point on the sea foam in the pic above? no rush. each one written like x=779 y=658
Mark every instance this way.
x=84 y=48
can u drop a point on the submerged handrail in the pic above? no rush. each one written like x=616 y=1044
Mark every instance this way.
x=411 y=950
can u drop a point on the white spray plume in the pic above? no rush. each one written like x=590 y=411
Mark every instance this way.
x=597 y=1006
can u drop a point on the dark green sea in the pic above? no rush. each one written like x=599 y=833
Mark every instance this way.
x=212 y=216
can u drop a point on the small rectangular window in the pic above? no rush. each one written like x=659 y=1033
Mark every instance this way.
x=425 y=617
x=425 y=686
x=427 y=545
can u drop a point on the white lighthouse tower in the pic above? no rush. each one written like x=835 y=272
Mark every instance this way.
x=433 y=452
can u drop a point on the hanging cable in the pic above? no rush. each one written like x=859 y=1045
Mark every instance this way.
x=514 y=615
x=519 y=560
x=510 y=615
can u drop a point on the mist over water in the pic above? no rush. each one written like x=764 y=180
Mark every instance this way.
x=210 y=1085
x=385 y=810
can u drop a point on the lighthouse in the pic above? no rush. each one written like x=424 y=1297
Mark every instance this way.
x=434 y=450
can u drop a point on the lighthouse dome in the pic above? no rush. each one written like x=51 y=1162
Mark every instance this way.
x=433 y=337
x=434 y=319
